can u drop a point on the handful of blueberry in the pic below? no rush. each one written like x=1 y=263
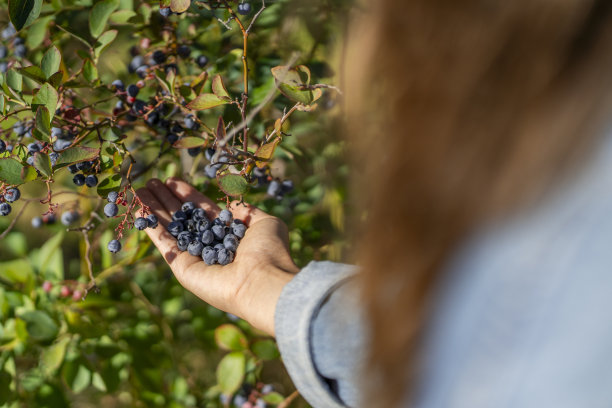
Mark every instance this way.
x=215 y=241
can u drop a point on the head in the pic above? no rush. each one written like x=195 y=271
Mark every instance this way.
x=459 y=112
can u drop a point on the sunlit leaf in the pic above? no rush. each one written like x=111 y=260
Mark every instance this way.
x=230 y=337
x=218 y=88
x=99 y=15
x=205 y=101
x=233 y=185
x=179 y=6
x=42 y=164
x=189 y=142
x=230 y=372
x=111 y=183
x=77 y=154
x=51 y=61
x=47 y=97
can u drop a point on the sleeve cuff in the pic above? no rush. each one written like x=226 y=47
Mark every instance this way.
x=297 y=306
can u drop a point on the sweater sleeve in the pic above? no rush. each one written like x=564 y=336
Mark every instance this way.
x=319 y=331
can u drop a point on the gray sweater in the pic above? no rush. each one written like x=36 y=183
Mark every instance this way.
x=523 y=317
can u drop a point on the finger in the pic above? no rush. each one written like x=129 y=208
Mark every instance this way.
x=164 y=196
x=158 y=209
x=247 y=213
x=185 y=192
x=161 y=238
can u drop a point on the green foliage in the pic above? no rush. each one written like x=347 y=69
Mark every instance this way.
x=133 y=336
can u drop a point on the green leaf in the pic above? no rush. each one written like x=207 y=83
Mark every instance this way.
x=265 y=349
x=56 y=79
x=205 y=101
x=291 y=82
x=42 y=163
x=77 y=154
x=90 y=72
x=46 y=254
x=230 y=372
x=233 y=184
x=51 y=61
x=179 y=6
x=103 y=41
x=189 y=142
x=23 y=12
x=77 y=376
x=43 y=121
x=273 y=398
x=229 y=337
x=11 y=171
x=39 y=325
x=111 y=183
x=53 y=357
x=99 y=15
x=14 y=80
x=33 y=72
x=46 y=96
x=218 y=88
x=37 y=31
x=122 y=16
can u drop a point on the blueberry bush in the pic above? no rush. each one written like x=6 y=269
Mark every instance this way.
x=239 y=98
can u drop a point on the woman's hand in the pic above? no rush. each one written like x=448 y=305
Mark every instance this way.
x=250 y=286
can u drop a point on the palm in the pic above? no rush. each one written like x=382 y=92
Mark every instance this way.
x=225 y=287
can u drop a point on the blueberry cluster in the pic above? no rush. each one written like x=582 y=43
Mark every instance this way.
x=87 y=177
x=248 y=396
x=9 y=37
x=274 y=187
x=216 y=163
x=111 y=210
x=10 y=196
x=47 y=219
x=215 y=241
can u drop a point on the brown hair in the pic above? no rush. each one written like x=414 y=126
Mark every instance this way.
x=458 y=111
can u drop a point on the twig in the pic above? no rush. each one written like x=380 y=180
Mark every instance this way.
x=289 y=399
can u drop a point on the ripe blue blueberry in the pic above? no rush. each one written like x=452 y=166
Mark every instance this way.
x=287 y=186
x=195 y=248
x=230 y=242
x=61 y=144
x=84 y=165
x=211 y=170
x=20 y=51
x=179 y=216
x=111 y=210
x=78 y=179
x=183 y=51
x=194 y=151
x=91 y=181
x=5 y=209
x=188 y=208
x=140 y=223
x=225 y=256
x=152 y=221
x=165 y=11
x=239 y=230
x=72 y=168
x=274 y=188
x=202 y=60
x=199 y=214
x=172 y=138
x=139 y=107
x=209 y=154
x=69 y=217
x=218 y=231
x=112 y=197
x=34 y=148
x=209 y=255
x=118 y=84
x=133 y=90
x=114 y=246
x=244 y=8
x=208 y=237
x=182 y=242
x=2 y=146
x=12 y=194
x=159 y=57
x=3 y=51
x=175 y=227
x=225 y=216
x=37 y=222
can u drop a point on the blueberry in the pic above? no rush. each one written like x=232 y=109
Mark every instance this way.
x=190 y=122
x=172 y=138
x=139 y=107
x=209 y=255
x=133 y=90
x=37 y=222
x=3 y=51
x=175 y=227
x=34 y=148
x=49 y=219
x=179 y=216
x=56 y=132
x=230 y=242
x=211 y=170
x=170 y=67
x=112 y=197
x=218 y=231
x=3 y=66
x=53 y=158
x=30 y=160
x=153 y=119
x=188 y=207
x=5 y=209
x=195 y=248
x=165 y=11
x=118 y=84
x=12 y=194
x=225 y=256
x=199 y=214
x=20 y=51
x=267 y=388
x=8 y=32
x=202 y=60
x=225 y=216
x=239 y=230
x=260 y=403
x=176 y=128
x=111 y=210
x=194 y=151
x=287 y=186
x=78 y=179
x=2 y=146
x=152 y=221
x=114 y=246
x=182 y=243
x=91 y=181
x=244 y=8
x=202 y=225
x=19 y=129
x=69 y=217
x=136 y=62
x=274 y=188
x=72 y=168
x=209 y=154
x=61 y=144
x=141 y=71
x=208 y=237
x=159 y=57
x=83 y=166
x=141 y=223
x=183 y=51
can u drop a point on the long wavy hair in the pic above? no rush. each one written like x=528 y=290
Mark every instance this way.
x=459 y=111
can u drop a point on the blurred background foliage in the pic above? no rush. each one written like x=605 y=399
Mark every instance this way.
x=144 y=341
